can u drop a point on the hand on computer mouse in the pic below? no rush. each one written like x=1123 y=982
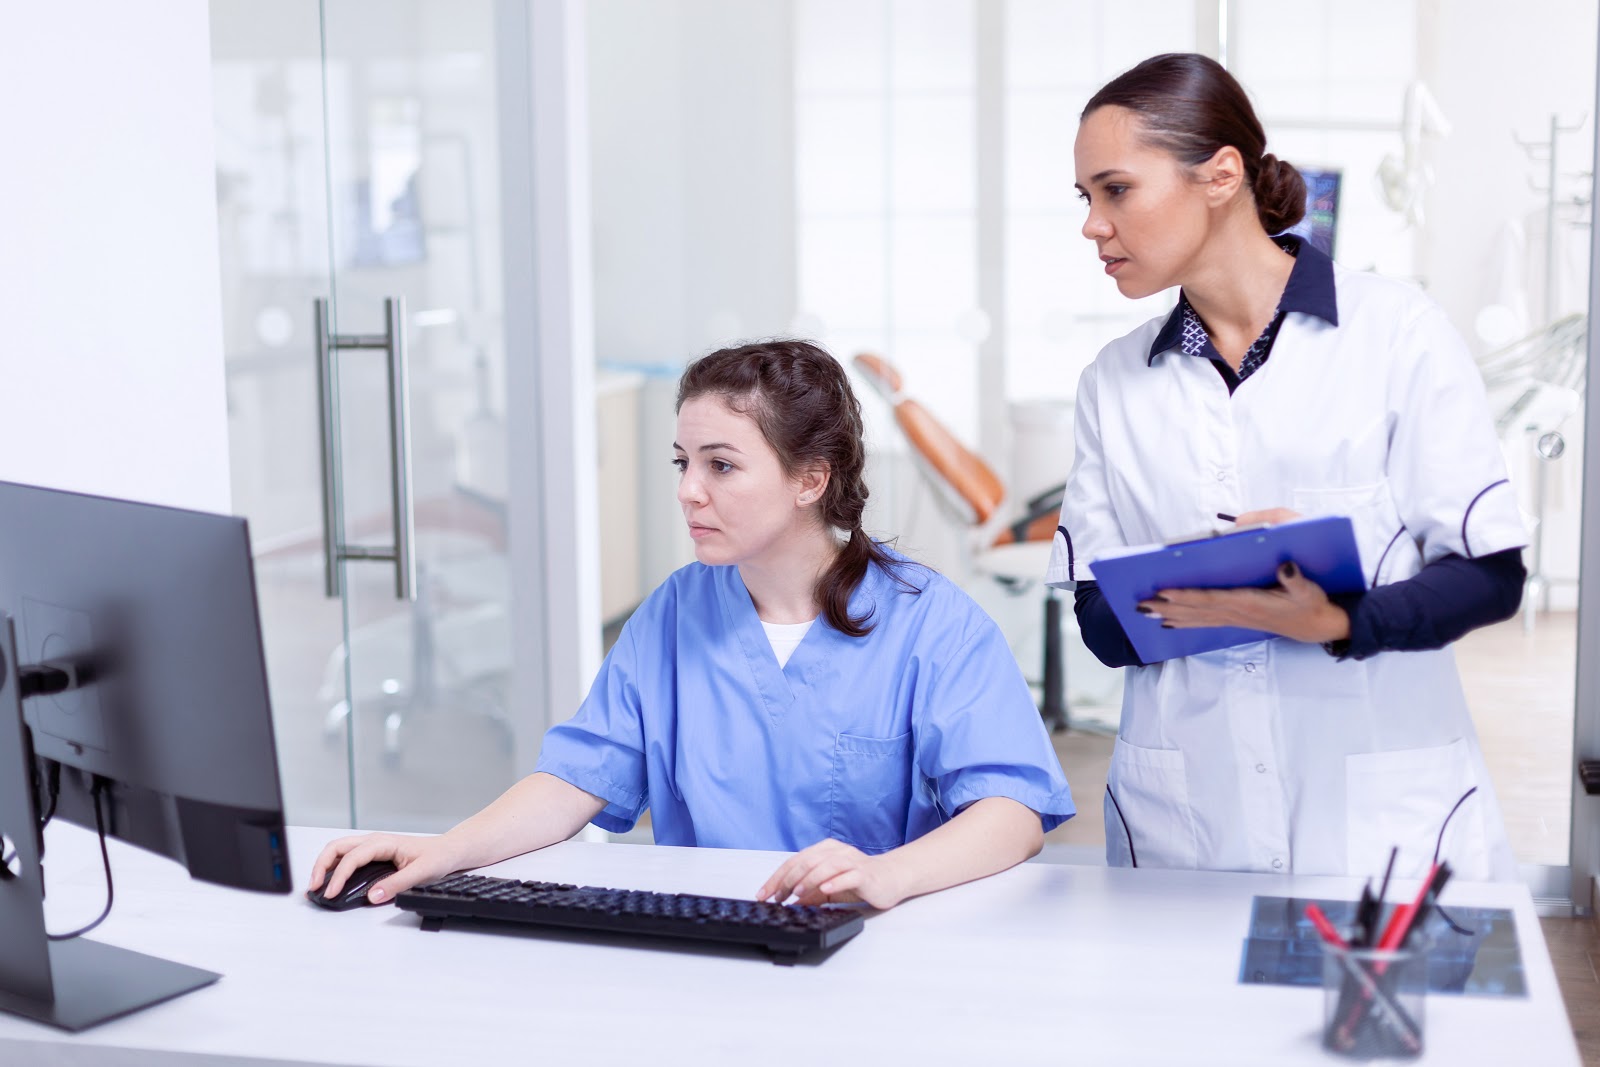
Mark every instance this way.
x=353 y=894
x=410 y=861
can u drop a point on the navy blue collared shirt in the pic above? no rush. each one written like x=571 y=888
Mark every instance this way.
x=1309 y=290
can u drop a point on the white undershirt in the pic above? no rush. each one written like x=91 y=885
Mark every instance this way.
x=785 y=637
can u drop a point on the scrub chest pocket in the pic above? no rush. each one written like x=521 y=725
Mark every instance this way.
x=871 y=795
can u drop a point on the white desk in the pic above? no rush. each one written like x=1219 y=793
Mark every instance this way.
x=1042 y=964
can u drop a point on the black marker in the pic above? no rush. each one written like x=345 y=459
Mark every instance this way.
x=1227 y=518
x=1383 y=889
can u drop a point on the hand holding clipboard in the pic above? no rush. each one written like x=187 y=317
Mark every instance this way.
x=1322 y=550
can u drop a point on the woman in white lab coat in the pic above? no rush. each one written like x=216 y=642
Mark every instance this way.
x=1280 y=385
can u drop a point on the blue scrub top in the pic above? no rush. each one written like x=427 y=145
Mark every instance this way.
x=871 y=740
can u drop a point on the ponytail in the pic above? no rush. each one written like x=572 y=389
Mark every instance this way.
x=1280 y=193
x=839 y=581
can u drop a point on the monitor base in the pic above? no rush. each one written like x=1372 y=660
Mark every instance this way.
x=95 y=982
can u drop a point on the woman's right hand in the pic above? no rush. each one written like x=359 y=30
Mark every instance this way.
x=419 y=859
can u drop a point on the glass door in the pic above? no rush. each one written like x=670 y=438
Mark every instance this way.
x=358 y=151
x=273 y=239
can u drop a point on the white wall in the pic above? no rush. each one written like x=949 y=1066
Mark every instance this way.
x=110 y=314
x=692 y=146
x=1500 y=73
x=692 y=157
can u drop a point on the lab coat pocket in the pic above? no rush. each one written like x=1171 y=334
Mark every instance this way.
x=871 y=795
x=1403 y=799
x=1387 y=553
x=1148 y=819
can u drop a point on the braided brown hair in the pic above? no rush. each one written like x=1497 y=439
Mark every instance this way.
x=801 y=400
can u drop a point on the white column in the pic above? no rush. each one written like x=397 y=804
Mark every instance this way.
x=994 y=429
x=110 y=304
x=1586 y=721
x=554 y=526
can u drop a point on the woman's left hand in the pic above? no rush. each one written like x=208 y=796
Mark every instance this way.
x=1297 y=609
x=832 y=872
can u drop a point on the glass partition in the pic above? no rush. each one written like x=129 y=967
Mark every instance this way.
x=359 y=187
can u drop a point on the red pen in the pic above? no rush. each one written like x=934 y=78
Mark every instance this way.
x=1394 y=935
x=1319 y=919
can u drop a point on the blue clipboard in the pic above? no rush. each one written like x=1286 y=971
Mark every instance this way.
x=1323 y=548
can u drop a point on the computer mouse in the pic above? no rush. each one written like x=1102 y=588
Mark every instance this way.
x=353 y=894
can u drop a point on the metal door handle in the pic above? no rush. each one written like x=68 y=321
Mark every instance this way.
x=393 y=343
x=405 y=519
x=328 y=434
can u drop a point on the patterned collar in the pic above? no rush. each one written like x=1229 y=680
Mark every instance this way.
x=1310 y=290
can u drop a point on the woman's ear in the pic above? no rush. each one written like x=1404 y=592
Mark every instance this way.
x=810 y=486
x=1222 y=174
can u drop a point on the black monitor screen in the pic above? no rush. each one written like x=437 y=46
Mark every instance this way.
x=154 y=611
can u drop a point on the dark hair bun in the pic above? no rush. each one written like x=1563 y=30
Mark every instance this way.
x=1190 y=106
x=1280 y=194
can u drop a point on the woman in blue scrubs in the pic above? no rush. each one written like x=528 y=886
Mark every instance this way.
x=799 y=688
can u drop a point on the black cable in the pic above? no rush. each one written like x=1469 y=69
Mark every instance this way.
x=105 y=856
x=53 y=790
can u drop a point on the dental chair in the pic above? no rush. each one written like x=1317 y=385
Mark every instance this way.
x=1013 y=551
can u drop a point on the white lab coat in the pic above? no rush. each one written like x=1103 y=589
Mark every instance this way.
x=1276 y=756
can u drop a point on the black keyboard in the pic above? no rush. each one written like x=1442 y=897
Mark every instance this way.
x=785 y=930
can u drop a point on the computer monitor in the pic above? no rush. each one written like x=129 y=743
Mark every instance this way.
x=133 y=700
x=1321 y=223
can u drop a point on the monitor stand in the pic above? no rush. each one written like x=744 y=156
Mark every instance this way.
x=72 y=984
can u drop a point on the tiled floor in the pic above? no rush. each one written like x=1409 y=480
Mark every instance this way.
x=1085 y=758
x=1520 y=687
x=1575 y=952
